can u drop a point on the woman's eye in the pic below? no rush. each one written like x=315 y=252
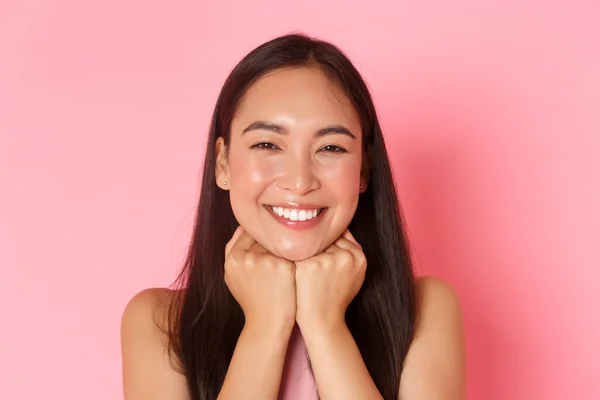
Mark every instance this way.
x=333 y=149
x=265 y=146
x=270 y=146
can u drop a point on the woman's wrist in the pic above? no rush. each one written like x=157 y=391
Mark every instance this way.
x=268 y=329
x=322 y=326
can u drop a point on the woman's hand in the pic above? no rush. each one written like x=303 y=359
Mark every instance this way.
x=327 y=282
x=262 y=283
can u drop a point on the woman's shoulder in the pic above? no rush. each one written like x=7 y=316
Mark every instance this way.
x=437 y=353
x=151 y=298
x=429 y=286
x=148 y=306
x=147 y=317
x=436 y=301
x=148 y=367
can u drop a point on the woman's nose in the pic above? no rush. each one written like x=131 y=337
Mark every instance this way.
x=299 y=177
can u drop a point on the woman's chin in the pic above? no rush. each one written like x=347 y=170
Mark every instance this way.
x=297 y=254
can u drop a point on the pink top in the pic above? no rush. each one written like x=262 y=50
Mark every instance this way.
x=296 y=381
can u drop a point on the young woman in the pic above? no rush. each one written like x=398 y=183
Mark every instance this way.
x=298 y=282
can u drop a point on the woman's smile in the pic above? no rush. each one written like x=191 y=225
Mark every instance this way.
x=301 y=217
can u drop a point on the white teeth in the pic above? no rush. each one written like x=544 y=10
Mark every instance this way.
x=295 y=214
x=302 y=215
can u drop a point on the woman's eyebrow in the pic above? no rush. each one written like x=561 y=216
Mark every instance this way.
x=282 y=130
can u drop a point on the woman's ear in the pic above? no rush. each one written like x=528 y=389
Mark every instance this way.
x=365 y=171
x=364 y=176
x=363 y=184
x=221 y=164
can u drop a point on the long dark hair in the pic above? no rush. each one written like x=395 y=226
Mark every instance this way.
x=205 y=321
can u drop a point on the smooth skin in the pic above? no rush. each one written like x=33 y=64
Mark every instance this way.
x=281 y=276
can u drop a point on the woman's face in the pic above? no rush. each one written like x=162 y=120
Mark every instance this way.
x=295 y=151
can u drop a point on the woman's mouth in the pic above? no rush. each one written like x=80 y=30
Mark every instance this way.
x=298 y=218
x=295 y=214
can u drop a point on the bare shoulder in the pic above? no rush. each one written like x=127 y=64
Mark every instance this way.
x=435 y=366
x=148 y=368
x=147 y=306
x=436 y=296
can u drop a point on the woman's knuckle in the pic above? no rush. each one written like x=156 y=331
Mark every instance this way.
x=345 y=257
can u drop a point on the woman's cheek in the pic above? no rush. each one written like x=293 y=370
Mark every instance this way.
x=343 y=178
x=253 y=171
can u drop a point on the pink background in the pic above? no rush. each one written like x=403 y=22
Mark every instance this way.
x=491 y=111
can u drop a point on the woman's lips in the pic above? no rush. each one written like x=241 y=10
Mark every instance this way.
x=306 y=224
x=298 y=206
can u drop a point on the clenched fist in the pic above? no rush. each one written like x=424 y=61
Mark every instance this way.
x=262 y=283
x=327 y=282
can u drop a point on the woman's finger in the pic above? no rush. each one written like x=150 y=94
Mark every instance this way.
x=334 y=248
x=243 y=241
x=258 y=248
x=238 y=231
x=347 y=235
x=349 y=246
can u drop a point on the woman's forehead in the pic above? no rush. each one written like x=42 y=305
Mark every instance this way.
x=296 y=96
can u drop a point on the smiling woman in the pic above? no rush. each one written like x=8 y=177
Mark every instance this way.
x=299 y=256
x=291 y=146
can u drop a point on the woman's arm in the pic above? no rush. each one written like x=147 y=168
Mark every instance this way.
x=257 y=364
x=325 y=284
x=340 y=372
